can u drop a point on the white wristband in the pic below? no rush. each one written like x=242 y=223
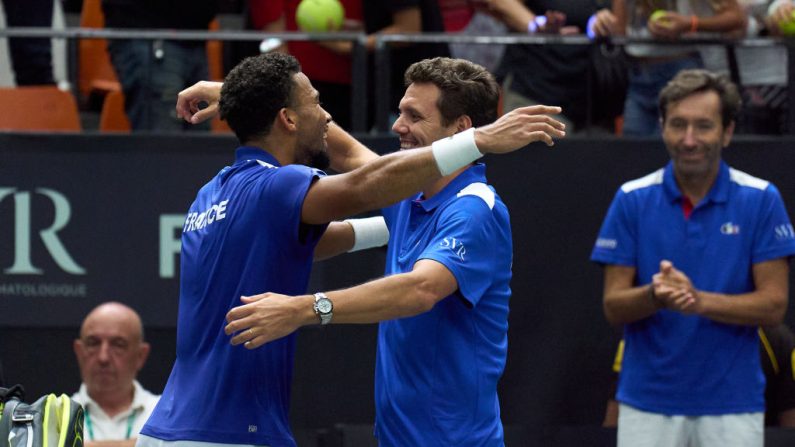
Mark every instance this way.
x=368 y=233
x=455 y=152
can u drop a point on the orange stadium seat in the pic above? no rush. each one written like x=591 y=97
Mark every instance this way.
x=95 y=71
x=38 y=108
x=113 y=118
x=215 y=58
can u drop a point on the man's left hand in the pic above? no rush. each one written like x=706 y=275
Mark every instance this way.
x=263 y=318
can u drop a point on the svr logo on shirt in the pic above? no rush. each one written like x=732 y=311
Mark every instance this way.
x=455 y=245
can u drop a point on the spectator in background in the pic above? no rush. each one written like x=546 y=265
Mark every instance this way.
x=110 y=352
x=777 y=351
x=654 y=65
x=548 y=74
x=329 y=71
x=31 y=58
x=696 y=257
x=761 y=71
x=469 y=17
x=152 y=73
x=381 y=17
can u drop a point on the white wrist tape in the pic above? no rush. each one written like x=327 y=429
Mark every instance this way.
x=453 y=153
x=368 y=233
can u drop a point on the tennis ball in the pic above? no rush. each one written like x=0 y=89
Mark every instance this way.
x=659 y=17
x=315 y=15
x=788 y=27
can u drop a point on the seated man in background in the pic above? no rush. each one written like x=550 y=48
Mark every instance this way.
x=110 y=351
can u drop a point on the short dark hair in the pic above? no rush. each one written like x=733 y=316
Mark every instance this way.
x=254 y=92
x=466 y=88
x=690 y=81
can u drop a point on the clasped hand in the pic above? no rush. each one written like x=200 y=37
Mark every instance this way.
x=674 y=290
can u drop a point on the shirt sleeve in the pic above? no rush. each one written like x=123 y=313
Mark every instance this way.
x=287 y=190
x=464 y=244
x=775 y=237
x=616 y=243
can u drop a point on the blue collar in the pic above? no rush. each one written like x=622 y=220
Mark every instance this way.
x=474 y=174
x=244 y=153
x=719 y=192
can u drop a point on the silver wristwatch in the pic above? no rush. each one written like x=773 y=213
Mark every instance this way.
x=323 y=307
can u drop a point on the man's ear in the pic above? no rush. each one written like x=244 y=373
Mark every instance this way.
x=728 y=132
x=287 y=118
x=143 y=354
x=463 y=123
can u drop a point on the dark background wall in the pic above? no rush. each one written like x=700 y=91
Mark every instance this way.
x=560 y=347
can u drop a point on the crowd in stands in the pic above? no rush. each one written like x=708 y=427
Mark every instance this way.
x=149 y=73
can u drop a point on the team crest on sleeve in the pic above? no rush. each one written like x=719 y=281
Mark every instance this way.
x=784 y=232
x=455 y=245
x=609 y=244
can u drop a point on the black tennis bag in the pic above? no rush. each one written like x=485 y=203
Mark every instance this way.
x=51 y=421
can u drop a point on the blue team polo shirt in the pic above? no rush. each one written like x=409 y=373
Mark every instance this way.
x=685 y=364
x=436 y=373
x=242 y=236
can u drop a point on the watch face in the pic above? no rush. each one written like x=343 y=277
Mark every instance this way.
x=324 y=306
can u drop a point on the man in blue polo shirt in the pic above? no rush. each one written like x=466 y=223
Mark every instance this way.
x=258 y=224
x=696 y=257
x=443 y=305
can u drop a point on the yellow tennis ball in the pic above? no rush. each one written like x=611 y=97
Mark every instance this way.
x=788 y=27
x=316 y=15
x=659 y=17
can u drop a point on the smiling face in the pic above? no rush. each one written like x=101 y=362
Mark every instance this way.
x=694 y=135
x=311 y=124
x=420 y=122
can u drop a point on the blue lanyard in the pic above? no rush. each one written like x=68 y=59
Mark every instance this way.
x=130 y=421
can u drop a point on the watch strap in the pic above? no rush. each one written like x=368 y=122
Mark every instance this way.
x=325 y=317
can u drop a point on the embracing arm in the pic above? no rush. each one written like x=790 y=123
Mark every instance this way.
x=387 y=179
x=271 y=316
x=623 y=302
x=336 y=240
x=345 y=152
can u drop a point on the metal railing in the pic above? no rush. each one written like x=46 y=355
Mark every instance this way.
x=359 y=81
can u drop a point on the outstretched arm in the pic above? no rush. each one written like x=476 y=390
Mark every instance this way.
x=189 y=100
x=382 y=181
x=388 y=179
x=270 y=316
x=345 y=152
x=352 y=235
